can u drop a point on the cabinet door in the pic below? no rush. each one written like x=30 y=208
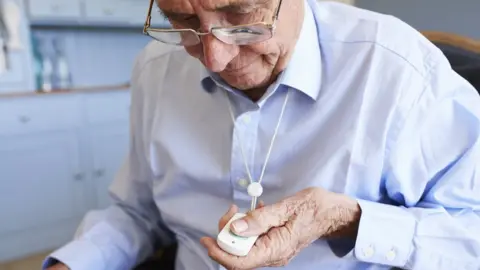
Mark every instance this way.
x=109 y=149
x=107 y=11
x=124 y=12
x=138 y=13
x=42 y=191
x=55 y=9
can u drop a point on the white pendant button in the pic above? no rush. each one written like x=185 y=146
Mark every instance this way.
x=255 y=189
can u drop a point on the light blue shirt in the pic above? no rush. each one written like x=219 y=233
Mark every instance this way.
x=375 y=112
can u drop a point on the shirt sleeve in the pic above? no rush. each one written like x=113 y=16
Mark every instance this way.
x=432 y=180
x=131 y=229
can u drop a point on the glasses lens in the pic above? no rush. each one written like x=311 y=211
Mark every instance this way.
x=242 y=35
x=181 y=37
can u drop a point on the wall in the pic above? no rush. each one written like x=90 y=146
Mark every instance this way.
x=460 y=17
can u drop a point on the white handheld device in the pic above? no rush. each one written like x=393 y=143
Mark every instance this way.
x=232 y=243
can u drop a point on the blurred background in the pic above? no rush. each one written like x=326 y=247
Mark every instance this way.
x=64 y=106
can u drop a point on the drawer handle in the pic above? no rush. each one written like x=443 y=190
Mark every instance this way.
x=24 y=119
x=99 y=173
x=55 y=7
x=107 y=11
x=78 y=177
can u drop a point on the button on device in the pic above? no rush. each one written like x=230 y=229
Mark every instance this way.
x=391 y=255
x=368 y=252
x=243 y=182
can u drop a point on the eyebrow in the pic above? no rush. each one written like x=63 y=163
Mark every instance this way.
x=176 y=15
x=239 y=7
x=242 y=6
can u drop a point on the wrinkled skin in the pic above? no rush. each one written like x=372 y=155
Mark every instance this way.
x=285 y=228
x=251 y=68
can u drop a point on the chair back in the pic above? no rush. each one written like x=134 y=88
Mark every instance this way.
x=462 y=52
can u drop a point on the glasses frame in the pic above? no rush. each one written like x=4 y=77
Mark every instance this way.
x=269 y=25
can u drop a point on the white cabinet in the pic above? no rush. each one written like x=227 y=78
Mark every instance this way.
x=109 y=147
x=106 y=10
x=42 y=184
x=41 y=191
x=121 y=13
x=138 y=12
x=55 y=9
x=108 y=133
x=58 y=156
x=124 y=12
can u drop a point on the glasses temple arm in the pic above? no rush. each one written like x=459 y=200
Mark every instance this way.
x=149 y=17
x=277 y=11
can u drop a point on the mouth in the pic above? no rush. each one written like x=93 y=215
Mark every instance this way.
x=236 y=69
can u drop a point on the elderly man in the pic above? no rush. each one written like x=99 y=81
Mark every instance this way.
x=362 y=142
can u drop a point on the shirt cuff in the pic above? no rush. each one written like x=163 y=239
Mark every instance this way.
x=79 y=254
x=385 y=234
x=98 y=249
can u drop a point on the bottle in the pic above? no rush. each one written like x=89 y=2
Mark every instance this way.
x=63 y=78
x=38 y=66
x=47 y=68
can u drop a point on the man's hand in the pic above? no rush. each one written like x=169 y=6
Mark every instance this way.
x=58 y=266
x=287 y=227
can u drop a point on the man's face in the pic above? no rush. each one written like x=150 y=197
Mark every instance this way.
x=244 y=67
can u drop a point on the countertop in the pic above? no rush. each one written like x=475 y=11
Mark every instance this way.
x=75 y=90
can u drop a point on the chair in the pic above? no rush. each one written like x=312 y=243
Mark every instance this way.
x=164 y=259
x=455 y=40
x=462 y=52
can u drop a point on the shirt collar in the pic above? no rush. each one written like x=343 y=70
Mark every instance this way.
x=304 y=71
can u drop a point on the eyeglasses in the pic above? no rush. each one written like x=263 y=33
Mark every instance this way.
x=235 y=35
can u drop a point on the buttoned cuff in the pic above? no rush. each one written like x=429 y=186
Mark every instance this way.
x=98 y=249
x=77 y=255
x=385 y=234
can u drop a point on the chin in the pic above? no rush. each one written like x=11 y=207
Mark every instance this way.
x=245 y=81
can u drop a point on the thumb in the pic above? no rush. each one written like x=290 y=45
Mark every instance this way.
x=261 y=220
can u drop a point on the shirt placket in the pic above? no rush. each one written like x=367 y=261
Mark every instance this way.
x=245 y=129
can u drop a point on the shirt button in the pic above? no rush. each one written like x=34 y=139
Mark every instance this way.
x=391 y=255
x=247 y=119
x=243 y=182
x=368 y=252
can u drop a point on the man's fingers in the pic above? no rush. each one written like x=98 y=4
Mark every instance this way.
x=231 y=212
x=59 y=266
x=259 y=221
x=225 y=218
x=251 y=261
x=260 y=204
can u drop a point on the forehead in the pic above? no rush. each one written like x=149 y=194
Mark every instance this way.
x=190 y=6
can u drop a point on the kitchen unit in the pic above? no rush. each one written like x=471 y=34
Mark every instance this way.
x=58 y=154
x=120 y=13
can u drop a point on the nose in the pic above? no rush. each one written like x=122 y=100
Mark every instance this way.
x=217 y=54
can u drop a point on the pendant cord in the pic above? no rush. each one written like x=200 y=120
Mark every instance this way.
x=274 y=137
x=270 y=147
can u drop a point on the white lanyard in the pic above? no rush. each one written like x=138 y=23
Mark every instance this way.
x=255 y=189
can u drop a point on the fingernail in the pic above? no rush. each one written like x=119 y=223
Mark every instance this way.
x=240 y=225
